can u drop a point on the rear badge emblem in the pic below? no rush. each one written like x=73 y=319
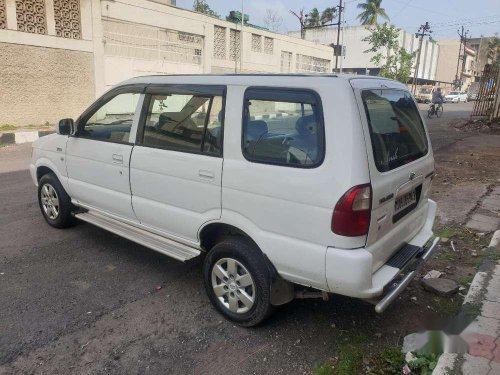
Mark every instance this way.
x=412 y=175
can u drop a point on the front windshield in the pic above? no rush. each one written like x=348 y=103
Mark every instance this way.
x=425 y=91
x=453 y=93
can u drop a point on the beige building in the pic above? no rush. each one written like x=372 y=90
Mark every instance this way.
x=58 y=55
x=449 y=66
x=356 y=60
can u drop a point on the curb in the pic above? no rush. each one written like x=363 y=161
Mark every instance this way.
x=23 y=137
x=495 y=240
x=450 y=363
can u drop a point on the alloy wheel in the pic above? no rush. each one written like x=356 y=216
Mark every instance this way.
x=233 y=285
x=50 y=201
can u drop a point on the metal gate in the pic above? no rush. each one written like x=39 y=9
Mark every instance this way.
x=488 y=103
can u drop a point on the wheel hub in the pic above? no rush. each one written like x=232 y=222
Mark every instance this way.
x=50 y=201
x=233 y=285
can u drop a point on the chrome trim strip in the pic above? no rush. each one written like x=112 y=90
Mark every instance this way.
x=393 y=294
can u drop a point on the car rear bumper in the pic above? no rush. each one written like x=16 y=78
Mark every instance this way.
x=349 y=272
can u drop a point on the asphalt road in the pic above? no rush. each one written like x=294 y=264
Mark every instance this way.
x=439 y=129
x=83 y=300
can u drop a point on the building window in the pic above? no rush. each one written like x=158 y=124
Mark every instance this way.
x=268 y=45
x=3 y=15
x=31 y=17
x=256 y=43
x=286 y=62
x=150 y=43
x=234 y=45
x=219 y=43
x=67 y=18
x=311 y=64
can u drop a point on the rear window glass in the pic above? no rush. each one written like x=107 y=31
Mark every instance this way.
x=396 y=129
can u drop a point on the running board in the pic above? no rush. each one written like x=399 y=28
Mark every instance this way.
x=153 y=241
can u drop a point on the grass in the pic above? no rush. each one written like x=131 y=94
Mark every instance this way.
x=390 y=361
x=7 y=127
x=465 y=280
x=448 y=306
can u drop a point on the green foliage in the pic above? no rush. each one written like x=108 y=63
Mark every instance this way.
x=397 y=62
x=314 y=18
x=7 y=127
x=494 y=46
x=371 y=10
x=202 y=7
x=389 y=362
x=324 y=369
x=424 y=364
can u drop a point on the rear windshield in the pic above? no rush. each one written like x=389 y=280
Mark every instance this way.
x=396 y=129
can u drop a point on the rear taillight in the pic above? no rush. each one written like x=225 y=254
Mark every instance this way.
x=351 y=216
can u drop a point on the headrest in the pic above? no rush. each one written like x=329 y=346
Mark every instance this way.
x=306 y=125
x=256 y=129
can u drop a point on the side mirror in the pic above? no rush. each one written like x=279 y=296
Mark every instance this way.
x=65 y=126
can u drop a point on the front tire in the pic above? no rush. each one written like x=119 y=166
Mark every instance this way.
x=54 y=202
x=238 y=281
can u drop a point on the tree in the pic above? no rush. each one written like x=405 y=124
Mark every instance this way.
x=397 y=62
x=328 y=15
x=371 y=10
x=272 y=20
x=494 y=47
x=302 y=19
x=202 y=7
x=313 y=18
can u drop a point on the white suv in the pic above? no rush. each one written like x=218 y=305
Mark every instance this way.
x=279 y=181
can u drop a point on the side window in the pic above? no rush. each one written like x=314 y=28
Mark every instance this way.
x=113 y=120
x=184 y=122
x=283 y=127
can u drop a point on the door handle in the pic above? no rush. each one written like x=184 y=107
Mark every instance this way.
x=206 y=174
x=117 y=158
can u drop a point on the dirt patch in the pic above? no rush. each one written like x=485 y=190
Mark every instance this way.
x=479 y=125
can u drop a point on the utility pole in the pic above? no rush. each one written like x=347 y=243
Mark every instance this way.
x=241 y=37
x=463 y=40
x=339 y=48
x=424 y=30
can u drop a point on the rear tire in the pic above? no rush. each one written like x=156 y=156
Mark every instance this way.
x=439 y=111
x=238 y=281
x=54 y=202
x=429 y=113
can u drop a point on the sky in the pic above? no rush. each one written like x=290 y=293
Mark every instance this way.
x=480 y=17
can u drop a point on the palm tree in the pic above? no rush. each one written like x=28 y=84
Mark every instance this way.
x=371 y=10
x=313 y=18
x=328 y=15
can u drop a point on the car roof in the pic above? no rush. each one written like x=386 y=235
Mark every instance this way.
x=244 y=79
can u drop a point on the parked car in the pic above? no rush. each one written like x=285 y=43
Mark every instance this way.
x=456 y=97
x=281 y=182
x=424 y=94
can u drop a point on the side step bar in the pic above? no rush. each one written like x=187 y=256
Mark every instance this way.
x=153 y=241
